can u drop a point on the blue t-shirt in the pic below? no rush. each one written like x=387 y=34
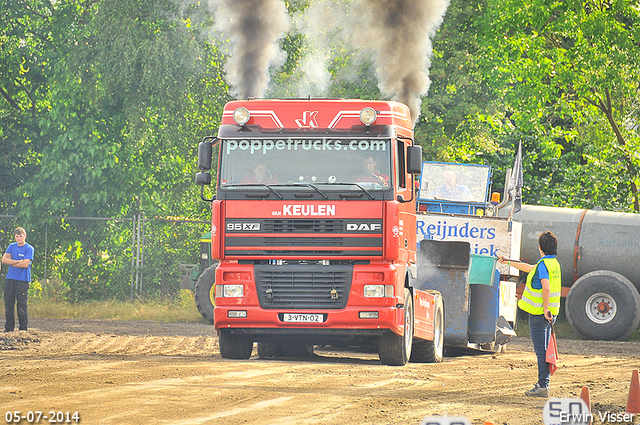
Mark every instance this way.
x=20 y=253
x=457 y=193
x=541 y=273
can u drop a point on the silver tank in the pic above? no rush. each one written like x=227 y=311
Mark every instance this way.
x=605 y=240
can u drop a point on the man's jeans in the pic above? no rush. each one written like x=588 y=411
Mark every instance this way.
x=540 y=329
x=15 y=292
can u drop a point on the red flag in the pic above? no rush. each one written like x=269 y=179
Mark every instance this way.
x=552 y=353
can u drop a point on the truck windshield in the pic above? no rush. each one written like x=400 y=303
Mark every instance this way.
x=454 y=182
x=305 y=162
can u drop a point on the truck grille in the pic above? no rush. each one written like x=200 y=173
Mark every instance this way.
x=276 y=238
x=303 y=226
x=303 y=287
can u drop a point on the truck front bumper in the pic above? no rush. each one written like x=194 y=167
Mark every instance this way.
x=351 y=321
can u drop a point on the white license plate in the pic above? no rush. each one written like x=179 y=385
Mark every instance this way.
x=303 y=318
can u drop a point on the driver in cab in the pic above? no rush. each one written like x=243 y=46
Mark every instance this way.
x=260 y=174
x=370 y=173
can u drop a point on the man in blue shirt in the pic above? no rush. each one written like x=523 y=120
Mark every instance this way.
x=451 y=190
x=18 y=257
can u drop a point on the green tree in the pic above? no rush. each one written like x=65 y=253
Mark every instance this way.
x=27 y=52
x=451 y=128
x=568 y=74
x=103 y=104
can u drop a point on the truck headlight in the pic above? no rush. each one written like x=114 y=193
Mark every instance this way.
x=378 y=291
x=241 y=116
x=368 y=115
x=231 y=291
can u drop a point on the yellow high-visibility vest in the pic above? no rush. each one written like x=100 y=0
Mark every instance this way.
x=531 y=300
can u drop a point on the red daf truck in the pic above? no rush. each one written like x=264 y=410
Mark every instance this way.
x=313 y=225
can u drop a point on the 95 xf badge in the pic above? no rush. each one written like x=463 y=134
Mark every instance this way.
x=238 y=226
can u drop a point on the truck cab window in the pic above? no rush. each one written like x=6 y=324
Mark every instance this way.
x=289 y=163
x=401 y=169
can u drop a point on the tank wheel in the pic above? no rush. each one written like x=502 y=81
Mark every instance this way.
x=234 y=346
x=269 y=349
x=431 y=351
x=603 y=305
x=395 y=350
x=205 y=293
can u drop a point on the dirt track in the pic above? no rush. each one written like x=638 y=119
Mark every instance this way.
x=114 y=372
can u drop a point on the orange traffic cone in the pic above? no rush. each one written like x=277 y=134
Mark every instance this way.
x=489 y=423
x=584 y=395
x=633 y=402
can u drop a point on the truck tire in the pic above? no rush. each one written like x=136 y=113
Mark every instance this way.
x=395 y=350
x=603 y=305
x=269 y=349
x=205 y=293
x=234 y=346
x=431 y=351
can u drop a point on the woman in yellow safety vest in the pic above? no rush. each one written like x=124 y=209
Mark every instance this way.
x=541 y=299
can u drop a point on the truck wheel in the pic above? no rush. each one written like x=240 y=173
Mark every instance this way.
x=603 y=305
x=205 y=293
x=269 y=349
x=233 y=346
x=431 y=351
x=395 y=350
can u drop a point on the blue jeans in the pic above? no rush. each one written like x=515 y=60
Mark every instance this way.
x=540 y=329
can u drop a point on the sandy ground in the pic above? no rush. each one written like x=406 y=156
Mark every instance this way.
x=113 y=372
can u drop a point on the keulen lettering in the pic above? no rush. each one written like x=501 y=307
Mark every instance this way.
x=308 y=210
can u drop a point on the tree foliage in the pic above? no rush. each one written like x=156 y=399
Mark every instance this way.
x=102 y=103
x=568 y=76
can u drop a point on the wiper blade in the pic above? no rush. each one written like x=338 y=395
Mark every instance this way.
x=311 y=185
x=353 y=184
x=268 y=186
x=314 y=187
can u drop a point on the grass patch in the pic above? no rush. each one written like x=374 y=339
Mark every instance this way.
x=562 y=327
x=181 y=308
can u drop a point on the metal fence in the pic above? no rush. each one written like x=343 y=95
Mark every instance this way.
x=80 y=258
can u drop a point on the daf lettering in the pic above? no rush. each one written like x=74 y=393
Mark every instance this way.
x=364 y=227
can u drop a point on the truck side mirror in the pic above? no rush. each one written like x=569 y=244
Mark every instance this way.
x=414 y=159
x=205 y=151
x=203 y=178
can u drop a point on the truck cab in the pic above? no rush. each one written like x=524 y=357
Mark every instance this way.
x=452 y=188
x=313 y=223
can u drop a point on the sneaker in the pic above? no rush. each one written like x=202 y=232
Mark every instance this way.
x=538 y=391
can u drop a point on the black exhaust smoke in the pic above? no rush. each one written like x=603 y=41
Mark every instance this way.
x=399 y=33
x=253 y=27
